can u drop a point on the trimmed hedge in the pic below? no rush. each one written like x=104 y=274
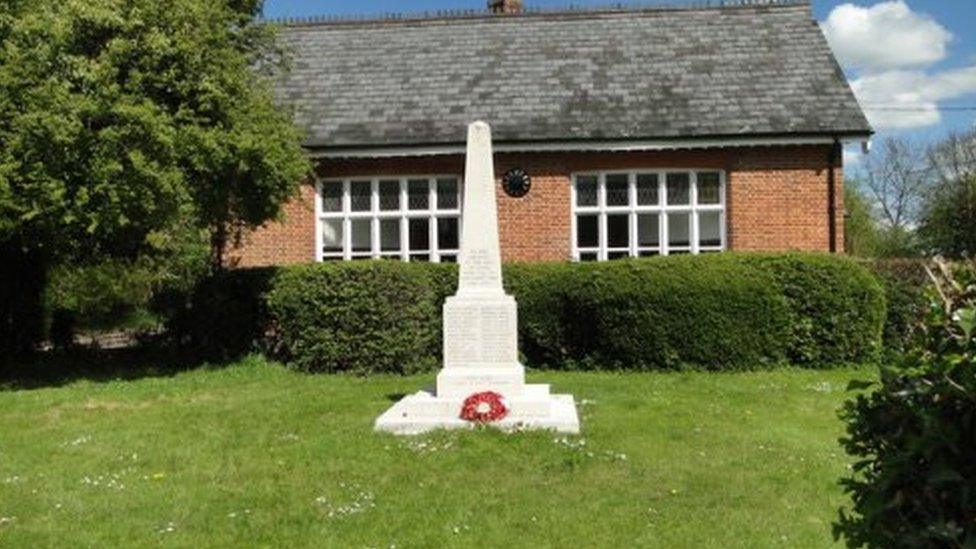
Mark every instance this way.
x=362 y=317
x=713 y=313
x=720 y=312
x=838 y=307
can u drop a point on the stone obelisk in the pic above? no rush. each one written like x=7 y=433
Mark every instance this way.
x=481 y=321
x=480 y=327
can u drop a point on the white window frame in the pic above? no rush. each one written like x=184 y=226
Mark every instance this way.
x=404 y=214
x=662 y=208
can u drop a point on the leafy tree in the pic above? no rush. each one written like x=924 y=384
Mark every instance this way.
x=948 y=224
x=860 y=230
x=122 y=119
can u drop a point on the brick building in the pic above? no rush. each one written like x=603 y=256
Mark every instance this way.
x=644 y=131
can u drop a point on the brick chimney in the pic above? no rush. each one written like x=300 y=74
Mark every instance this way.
x=505 y=6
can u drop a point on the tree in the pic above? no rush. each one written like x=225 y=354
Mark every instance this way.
x=121 y=119
x=948 y=224
x=865 y=235
x=896 y=178
x=860 y=230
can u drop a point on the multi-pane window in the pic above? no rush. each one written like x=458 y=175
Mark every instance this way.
x=407 y=218
x=647 y=212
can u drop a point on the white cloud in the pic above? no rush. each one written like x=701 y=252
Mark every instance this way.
x=888 y=35
x=902 y=99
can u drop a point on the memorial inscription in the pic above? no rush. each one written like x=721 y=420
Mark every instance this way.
x=479 y=269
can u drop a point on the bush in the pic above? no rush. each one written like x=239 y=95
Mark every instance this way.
x=724 y=311
x=224 y=316
x=714 y=313
x=904 y=282
x=362 y=317
x=914 y=484
x=837 y=307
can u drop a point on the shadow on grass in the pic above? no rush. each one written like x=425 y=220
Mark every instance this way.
x=58 y=368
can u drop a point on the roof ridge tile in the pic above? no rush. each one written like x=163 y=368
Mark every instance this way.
x=534 y=12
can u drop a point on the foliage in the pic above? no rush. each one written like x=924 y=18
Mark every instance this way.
x=119 y=116
x=904 y=282
x=861 y=232
x=948 y=224
x=716 y=312
x=894 y=242
x=116 y=293
x=915 y=435
x=364 y=317
x=224 y=316
x=708 y=312
x=837 y=307
x=865 y=236
x=121 y=119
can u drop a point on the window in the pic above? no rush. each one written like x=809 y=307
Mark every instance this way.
x=409 y=218
x=647 y=212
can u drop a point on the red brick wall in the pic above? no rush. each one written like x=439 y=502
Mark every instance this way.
x=777 y=200
x=289 y=241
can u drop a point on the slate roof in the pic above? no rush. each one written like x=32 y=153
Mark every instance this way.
x=563 y=76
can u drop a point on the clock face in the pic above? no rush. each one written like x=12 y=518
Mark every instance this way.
x=516 y=183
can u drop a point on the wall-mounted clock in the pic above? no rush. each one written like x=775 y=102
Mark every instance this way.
x=516 y=183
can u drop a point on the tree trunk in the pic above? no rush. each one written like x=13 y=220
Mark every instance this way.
x=219 y=237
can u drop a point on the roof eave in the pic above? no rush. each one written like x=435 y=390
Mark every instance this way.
x=589 y=145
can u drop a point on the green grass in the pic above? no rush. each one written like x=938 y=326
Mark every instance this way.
x=256 y=455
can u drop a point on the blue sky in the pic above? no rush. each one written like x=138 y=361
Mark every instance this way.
x=912 y=62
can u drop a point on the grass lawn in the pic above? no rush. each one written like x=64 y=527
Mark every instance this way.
x=255 y=455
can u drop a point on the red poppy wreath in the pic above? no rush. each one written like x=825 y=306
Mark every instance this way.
x=484 y=407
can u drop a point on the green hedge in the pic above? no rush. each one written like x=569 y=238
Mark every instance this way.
x=726 y=311
x=363 y=317
x=713 y=313
x=837 y=307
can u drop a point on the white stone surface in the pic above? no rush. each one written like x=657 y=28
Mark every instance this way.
x=403 y=418
x=480 y=328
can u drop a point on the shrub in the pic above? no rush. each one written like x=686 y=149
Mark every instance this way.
x=914 y=484
x=224 y=316
x=904 y=282
x=363 y=317
x=715 y=312
x=838 y=307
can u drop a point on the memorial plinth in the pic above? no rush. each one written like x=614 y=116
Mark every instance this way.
x=481 y=328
